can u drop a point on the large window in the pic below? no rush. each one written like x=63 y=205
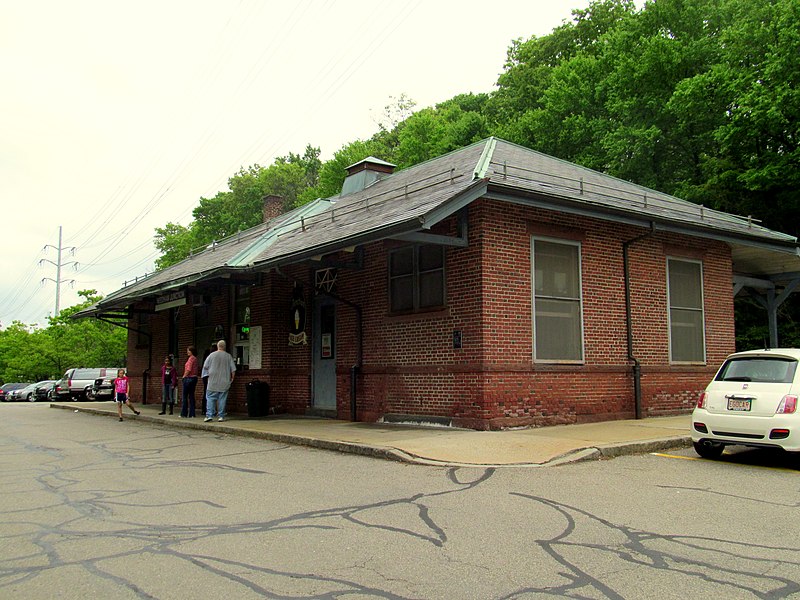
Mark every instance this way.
x=686 y=322
x=557 y=315
x=416 y=278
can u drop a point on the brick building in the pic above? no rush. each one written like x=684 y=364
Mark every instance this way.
x=491 y=287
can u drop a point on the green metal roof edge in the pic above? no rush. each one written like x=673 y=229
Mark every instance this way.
x=291 y=220
x=485 y=159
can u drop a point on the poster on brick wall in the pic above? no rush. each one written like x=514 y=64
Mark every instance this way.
x=255 y=347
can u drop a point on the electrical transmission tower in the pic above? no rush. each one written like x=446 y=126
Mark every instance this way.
x=58 y=265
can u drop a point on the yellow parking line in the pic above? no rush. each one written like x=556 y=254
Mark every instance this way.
x=675 y=456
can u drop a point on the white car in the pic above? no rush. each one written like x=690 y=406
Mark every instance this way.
x=752 y=401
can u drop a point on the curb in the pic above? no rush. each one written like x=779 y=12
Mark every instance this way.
x=644 y=447
x=285 y=438
x=586 y=454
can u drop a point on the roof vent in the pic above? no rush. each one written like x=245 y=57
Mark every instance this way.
x=364 y=173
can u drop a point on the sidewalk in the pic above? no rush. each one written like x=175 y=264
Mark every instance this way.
x=436 y=445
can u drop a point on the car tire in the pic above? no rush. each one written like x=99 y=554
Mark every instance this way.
x=31 y=397
x=710 y=450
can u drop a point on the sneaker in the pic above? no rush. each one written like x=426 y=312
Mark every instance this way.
x=120 y=418
x=221 y=419
x=137 y=413
x=207 y=419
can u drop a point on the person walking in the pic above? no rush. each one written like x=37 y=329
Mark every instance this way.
x=122 y=393
x=191 y=372
x=221 y=370
x=169 y=379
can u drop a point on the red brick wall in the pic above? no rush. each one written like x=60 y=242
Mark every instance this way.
x=411 y=368
x=410 y=365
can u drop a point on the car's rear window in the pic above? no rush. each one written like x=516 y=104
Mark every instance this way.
x=759 y=369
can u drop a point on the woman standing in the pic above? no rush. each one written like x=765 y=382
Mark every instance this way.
x=191 y=371
x=169 y=379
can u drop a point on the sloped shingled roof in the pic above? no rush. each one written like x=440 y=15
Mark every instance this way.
x=418 y=197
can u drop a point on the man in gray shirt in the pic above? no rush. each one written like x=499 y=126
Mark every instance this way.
x=221 y=369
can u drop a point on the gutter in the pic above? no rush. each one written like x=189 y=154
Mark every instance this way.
x=637 y=367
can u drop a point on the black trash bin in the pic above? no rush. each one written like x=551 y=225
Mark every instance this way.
x=257 y=398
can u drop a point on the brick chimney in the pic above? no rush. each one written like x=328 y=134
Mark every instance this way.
x=273 y=207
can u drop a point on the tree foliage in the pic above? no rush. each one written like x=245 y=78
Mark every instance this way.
x=28 y=354
x=699 y=99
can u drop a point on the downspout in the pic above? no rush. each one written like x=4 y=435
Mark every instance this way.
x=637 y=367
x=146 y=372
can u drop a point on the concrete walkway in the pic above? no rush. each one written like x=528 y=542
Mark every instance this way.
x=436 y=445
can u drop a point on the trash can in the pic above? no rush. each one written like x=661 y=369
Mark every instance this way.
x=257 y=398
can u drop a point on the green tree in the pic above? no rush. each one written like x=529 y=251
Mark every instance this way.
x=175 y=242
x=29 y=354
x=448 y=126
x=755 y=170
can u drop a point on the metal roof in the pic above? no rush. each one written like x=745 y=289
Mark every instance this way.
x=419 y=197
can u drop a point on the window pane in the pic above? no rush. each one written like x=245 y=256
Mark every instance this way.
x=556 y=270
x=765 y=370
x=401 y=262
x=431 y=289
x=558 y=330
x=685 y=284
x=686 y=335
x=402 y=293
x=430 y=257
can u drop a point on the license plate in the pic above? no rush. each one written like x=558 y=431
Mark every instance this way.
x=738 y=404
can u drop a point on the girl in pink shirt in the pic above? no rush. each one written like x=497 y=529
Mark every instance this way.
x=121 y=393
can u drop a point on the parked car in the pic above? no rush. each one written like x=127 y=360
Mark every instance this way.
x=17 y=394
x=7 y=389
x=103 y=388
x=80 y=381
x=752 y=401
x=26 y=393
x=60 y=391
x=42 y=390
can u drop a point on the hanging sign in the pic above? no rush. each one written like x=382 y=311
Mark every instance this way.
x=297 y=325
x=171 y=300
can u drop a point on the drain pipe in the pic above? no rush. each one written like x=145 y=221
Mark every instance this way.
x=637 y=367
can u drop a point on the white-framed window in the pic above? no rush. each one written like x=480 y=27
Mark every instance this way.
x=557 y=301
x=687 y=339
x=416 y=278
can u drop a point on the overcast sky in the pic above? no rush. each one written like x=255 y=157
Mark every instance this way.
x=117 y=117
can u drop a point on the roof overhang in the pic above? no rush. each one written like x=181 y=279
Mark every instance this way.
x=405 y=227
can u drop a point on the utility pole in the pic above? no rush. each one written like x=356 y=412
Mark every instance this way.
x=58 y=264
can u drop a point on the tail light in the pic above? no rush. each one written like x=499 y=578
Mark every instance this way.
x=787 y=406
x=701 y=401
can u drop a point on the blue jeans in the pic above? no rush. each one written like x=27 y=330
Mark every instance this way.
x=215 y=402
x=187 y=407
x=166 y=394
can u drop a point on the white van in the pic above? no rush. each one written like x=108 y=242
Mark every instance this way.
x=80 y=381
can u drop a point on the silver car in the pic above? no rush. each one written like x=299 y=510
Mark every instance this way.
x=752 y=401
